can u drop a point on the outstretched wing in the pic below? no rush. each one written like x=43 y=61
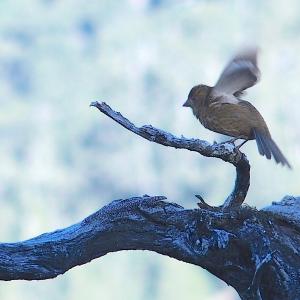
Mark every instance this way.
x=240 y=73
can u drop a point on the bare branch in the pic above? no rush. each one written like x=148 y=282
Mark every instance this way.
x=225 y=151
x=237 y=246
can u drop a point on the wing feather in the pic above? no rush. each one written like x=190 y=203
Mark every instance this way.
x=239 y=74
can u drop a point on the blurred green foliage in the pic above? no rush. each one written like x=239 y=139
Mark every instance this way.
x=61 y=160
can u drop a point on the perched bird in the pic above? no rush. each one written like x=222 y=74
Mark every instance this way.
x=221 y=109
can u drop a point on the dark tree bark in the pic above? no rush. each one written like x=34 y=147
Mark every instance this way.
x=256 y=252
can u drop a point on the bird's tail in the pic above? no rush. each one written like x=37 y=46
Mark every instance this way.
x=268 y=148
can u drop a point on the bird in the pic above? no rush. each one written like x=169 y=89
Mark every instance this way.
x=222 y=109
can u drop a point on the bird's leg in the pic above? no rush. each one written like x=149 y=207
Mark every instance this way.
x=239 y=146
x=237 y=138
x=233 y=139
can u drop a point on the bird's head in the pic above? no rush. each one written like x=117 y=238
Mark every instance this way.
x=196 y=96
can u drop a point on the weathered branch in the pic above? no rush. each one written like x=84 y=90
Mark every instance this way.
x=256 y=252
x=225 y=151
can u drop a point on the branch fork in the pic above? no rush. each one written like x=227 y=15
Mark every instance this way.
x=225 y=151
x=256 y=252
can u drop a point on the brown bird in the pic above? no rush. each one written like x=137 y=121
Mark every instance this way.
x=221 y=109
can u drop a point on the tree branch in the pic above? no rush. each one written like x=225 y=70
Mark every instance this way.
x=225 y=151
x=254 y=251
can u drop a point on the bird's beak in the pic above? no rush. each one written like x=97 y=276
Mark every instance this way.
x=187 y=103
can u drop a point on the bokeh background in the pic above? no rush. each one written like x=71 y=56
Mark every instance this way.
x=62 y=160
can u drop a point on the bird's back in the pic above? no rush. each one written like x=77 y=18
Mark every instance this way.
x=234 y=119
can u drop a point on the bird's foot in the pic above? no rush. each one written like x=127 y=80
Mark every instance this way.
x=237 y=138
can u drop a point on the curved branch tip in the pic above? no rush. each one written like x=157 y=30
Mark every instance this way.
x=225 y=151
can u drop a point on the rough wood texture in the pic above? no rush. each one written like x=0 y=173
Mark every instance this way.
x=256 y=252
x=225 y=151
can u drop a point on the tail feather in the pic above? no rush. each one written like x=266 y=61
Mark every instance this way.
x=262 y=146
x=267 y=147
x=277 y=154
x=259 y=143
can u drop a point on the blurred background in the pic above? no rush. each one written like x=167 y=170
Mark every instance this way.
x=62 y=160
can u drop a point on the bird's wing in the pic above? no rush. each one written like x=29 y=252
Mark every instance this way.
x=224 y=99
x=239 y=74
